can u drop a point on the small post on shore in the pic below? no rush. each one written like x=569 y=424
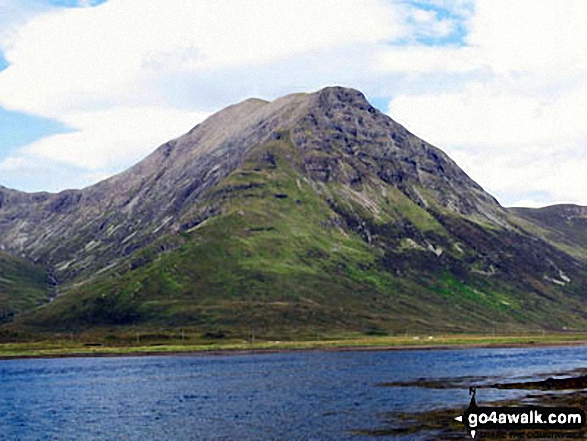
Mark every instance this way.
x=138 y=337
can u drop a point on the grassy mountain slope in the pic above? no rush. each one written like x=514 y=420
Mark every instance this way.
x=286 y=253
x=22 y=286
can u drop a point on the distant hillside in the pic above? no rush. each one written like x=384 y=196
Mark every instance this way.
x=311 y=212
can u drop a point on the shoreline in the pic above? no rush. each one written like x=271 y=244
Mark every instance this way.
x=142 y=352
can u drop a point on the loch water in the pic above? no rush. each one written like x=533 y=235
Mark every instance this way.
x=275 y=396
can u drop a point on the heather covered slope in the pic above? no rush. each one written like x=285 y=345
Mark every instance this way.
x=312 y=212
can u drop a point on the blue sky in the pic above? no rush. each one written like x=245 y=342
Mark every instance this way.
x=19 y=129
x=458 y=33
x=3 y=62
x=74 y=3
x=88 y=87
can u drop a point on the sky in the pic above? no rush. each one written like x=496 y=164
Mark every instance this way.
x=89 y=87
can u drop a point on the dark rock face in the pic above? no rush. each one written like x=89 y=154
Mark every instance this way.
x=343 y=125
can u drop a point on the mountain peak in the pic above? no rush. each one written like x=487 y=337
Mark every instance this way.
x=338 y=139
x=336 y=96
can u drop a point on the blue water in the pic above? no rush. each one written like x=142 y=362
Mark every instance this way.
x=303 y=395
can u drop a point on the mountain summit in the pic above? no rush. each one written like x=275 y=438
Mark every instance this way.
x=339 y=136
x=310 y=210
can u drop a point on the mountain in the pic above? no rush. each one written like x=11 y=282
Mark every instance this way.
x=312 y=212
x=84 y=231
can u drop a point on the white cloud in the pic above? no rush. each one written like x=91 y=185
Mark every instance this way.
x=13 y=14
x=13 y=163
x=520 y=129
x=115 y=53
x=428 y=59
x=427 y=23
x=103 y=142
x=112 y=137
x=531 y=35
x=105 y=71
x=496 y=115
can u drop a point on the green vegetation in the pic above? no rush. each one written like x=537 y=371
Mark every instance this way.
x=137 y=343
x=404 y=207
x=22 y=286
